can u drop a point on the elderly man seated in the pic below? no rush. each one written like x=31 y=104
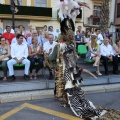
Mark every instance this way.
x=107 y=53
x=19 y=54
x=49 y=48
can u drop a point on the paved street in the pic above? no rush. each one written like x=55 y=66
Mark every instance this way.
x=45 y=109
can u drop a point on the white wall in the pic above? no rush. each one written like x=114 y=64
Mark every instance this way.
x=28 y=2
x=2 y=1
x=54 y=8
x=1 y=24
x=87 y=11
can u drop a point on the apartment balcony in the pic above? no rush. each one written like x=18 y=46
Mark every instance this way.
x=26 y=12
x=93 y=21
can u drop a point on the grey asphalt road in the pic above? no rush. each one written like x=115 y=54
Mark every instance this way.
x=35 y=109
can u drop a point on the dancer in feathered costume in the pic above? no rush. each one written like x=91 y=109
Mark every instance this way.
x=70 y=8
x=68 y=74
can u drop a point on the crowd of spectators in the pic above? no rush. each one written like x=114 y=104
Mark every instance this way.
x=26 y=46
x=101 y=47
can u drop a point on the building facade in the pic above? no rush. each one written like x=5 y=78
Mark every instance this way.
x=40 y=17
x=117 y=18
x=117 y=13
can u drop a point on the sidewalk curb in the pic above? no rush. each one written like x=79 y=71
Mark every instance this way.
x=41 y=94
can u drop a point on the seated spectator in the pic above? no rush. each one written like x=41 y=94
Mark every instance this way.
x=106 y=52
x=83 y=33
x=14 y=40
x=106 y=34
x=41 y=38
x=60 y=38
x=34 y=34
x=94 y=53
x=116 y=49
x=46 y=36
x=87 y=37
x=100 y=37
x=92 y=31
x=53 y=32
x=78 y=39
x=0 y=31
x=41 y=33
x=8 y=35
x=110 y=37
x=36 y=56
x=58 y=32
x=12 y=31
x=48 y=48
x=79 y=28
x=19 y=54
x=28 y=32
x=45 y=28
x=4 y=55
x=21 y=29
x=0 y=35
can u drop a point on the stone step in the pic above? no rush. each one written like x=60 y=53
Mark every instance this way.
x=20 y=71
x=81 y=63
x=43 y=83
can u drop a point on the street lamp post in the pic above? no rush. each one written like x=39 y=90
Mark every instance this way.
x=12 y=7
x=13 y=10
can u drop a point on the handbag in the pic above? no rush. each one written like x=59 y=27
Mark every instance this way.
x=4 y=59
x=88 y=55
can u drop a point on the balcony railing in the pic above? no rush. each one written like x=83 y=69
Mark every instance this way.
x=26 y=12
x=93 y=21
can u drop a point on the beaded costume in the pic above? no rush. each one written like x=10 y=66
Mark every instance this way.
x=68 y=74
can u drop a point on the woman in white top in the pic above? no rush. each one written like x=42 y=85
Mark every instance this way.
x=94 y=52
x=87 y=37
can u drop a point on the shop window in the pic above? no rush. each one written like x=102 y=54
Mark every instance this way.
x=41 y=3
x=20 y=2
